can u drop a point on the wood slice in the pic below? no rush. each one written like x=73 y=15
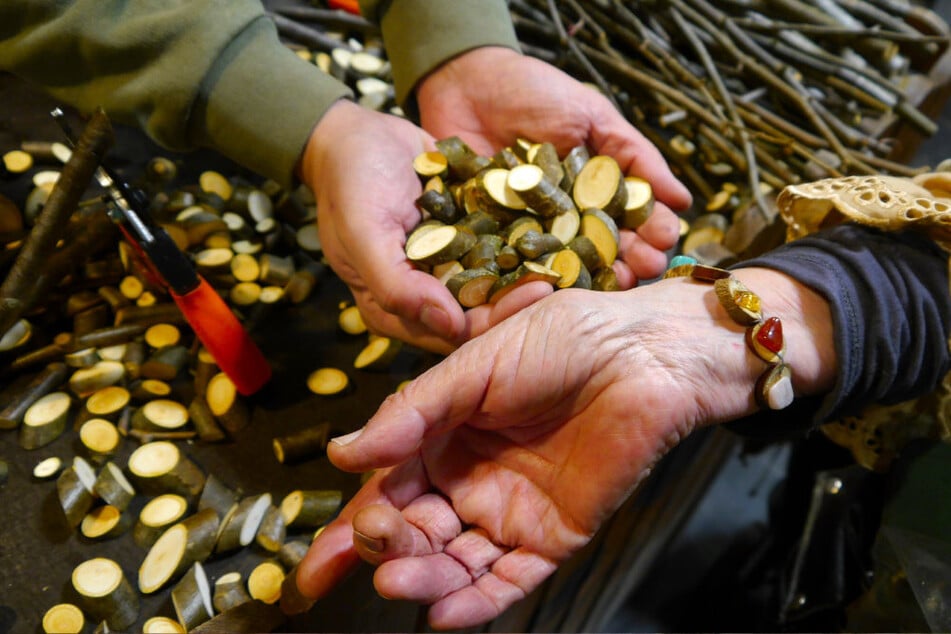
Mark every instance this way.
x=177 y=549
x=226 y=404
x=218 y=496
x=351 y=321
x=271 y=533
x=48 y=468
x=264 y=582
x=160 y=467
x=601 y=229
x=45 y=420
x=429 y=164
x=533 y=244
x=240 y=527
x=44 y=382
x=162 y=625
x=63 y=618
x=157 y=515
x=495 y=184
x=569 y=266
x=440 y=244
x=161 y=335
x=229 y=592
x=18 y=335
x=85 y=381
x=378 y=354
x=100 y=439
x=292 y=552
x=204 y=421
x=328 y=381
x=113 y=487
x=107 y=402
x=310 y=508
x=146 y=390
x=165 y=363
x=540 y=194
x=160 y=414
x=600 y=185
x=564 y=226
x=74 y=488
x=105 y=593
x=104 y=522
x=639 y=204
x=471 y=287
x=191 y=598
x=525 y=273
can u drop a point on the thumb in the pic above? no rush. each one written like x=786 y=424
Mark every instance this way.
x=444 y=397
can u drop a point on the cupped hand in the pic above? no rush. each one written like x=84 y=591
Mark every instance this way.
x=359 y=165
x=491 y=96
x=504 y=459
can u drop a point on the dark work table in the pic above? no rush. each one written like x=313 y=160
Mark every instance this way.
x=38 y=551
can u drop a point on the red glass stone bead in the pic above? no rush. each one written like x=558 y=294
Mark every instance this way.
x=770 y=335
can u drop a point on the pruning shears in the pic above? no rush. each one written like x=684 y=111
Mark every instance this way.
x=206 y=312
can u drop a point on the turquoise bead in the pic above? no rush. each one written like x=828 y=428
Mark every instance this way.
x=681 y=260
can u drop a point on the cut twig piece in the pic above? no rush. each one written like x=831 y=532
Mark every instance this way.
x=328 y=381
x=264 y=582
x=162 y=625
x=545 y=156
x=605 y=280
x=378 y=354
x=18 y=335
x=159 y=467
x=564 y=226
x=533 y=245
x=161 y=335
x=600 y=184
x=440 y=244
x=464 y=163
x=165 y=363
x=113 y=487
x=48 y=379
x=525 y=273
x=250 y=616
x=226 y=404
x=440 y=206
x=218 y=496
x=495 y=184
x=204 y=420
x=429 y=164
x=107 y=402
x=292 y=552
x=471 y=287
x=191 y=598
x=569 y=266
x=100 y=438
x=351 y=321
x=517 y=228
x=540 y=194
x=156 y=516
x=271 y=533
x=48 y=468
x=481 y=255
x=45 y=420
x=105 y=593
x=239 y=528
x=601 y=229
x=229 y=592
x=160 y=415
x=639 y=204
x=245 y=267
x=85 y=381
x=63 y=618
x=149 y=389
x=104 y=522
x=310 y=442
x=191 y=540
x=310 y=508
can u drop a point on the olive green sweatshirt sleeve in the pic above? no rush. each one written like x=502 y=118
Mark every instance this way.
x=191 y=73
x=419 y=35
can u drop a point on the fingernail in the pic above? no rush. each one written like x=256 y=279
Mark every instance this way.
x=372 y=544
x=346 y=439
x=436 y=319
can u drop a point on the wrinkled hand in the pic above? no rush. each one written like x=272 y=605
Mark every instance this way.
x=359 y=165
x=491 y=96
x=504 y=459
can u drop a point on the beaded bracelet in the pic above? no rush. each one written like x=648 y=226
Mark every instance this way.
x=764 y=336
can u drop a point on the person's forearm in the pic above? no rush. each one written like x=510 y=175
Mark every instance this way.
x=891 y=310
x=206 y=73
x=422 y=34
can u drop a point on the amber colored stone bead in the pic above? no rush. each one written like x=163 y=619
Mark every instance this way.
x=766 y=339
